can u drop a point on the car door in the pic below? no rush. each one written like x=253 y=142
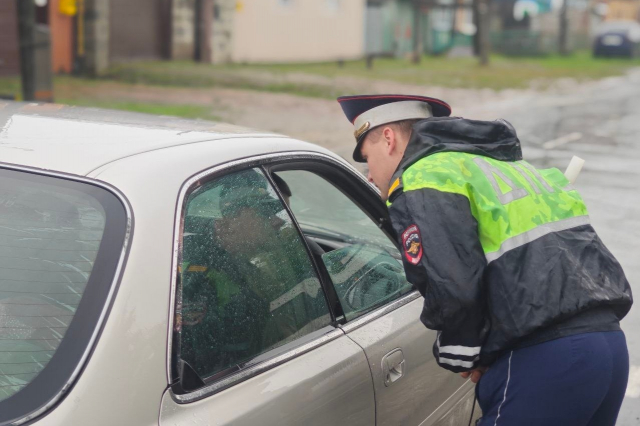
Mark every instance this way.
x=255 y=337
x=345 y=220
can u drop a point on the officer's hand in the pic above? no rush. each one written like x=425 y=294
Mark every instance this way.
x=474 y=374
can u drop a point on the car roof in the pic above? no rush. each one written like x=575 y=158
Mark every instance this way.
x=79 y=140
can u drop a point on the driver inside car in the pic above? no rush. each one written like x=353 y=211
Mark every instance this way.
x=252 y=282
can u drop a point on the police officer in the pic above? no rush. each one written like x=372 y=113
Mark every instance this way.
x=523 y=293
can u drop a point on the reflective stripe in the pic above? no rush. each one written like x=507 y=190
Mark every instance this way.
x=458 y=363
x=457 y=349
x=535 y=233
x=504 y=398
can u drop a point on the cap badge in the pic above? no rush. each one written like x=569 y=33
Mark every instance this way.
x=361 y=130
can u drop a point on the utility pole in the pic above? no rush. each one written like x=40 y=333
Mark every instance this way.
x=563 y=38
x=93 y=37
x=481 y=7
x=26 y=35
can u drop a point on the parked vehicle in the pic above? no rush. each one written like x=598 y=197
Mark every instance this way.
x=617 y=38
x=159 y=271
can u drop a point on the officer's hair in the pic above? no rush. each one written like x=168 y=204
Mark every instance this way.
x=404 y=126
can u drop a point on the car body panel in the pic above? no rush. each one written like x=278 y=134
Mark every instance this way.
x=424 y=386
x=184 y=161
x=329 y=385
x=74 y=140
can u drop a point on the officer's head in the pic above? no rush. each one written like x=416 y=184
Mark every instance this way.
x=383 y=148
x=383 y=127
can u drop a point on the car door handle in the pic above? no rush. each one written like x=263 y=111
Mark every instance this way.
x=393 y=366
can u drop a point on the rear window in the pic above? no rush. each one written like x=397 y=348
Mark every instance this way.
x=60 y=244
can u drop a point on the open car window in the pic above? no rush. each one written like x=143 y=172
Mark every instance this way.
x=363 y=263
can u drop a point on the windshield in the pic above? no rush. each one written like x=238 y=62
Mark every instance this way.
x=51 y=241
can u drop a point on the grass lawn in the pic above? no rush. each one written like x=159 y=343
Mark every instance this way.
x=67 y=90
x=323 y=79
x=184 y=111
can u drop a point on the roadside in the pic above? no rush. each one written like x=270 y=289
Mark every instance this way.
x=332 y=79
x=299 y=99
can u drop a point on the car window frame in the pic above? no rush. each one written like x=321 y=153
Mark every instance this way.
x=356 y=187
x=40 y=403
x=266 y=360
x=367 y=198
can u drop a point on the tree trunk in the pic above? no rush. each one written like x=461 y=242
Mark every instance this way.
x=26 y=27
x=476 y=37
x=482 y=31
x=417 y=32
x=563 y=38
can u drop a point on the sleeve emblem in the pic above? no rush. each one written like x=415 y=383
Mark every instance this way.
x=412 y=244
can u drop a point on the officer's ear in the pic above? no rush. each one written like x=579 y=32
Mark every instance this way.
x=389 y=136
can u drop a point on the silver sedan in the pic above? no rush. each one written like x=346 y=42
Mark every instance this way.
x=158 y=271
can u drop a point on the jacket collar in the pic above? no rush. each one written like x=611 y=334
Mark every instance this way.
x=495 y=139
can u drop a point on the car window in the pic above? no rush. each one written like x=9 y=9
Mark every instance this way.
x=54 y=233
x=49 y=241
x=248 y=285
x=363 y=263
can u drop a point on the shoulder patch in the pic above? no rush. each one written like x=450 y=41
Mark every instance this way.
x=412 y=244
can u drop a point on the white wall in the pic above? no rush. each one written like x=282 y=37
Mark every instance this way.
x=298 y=30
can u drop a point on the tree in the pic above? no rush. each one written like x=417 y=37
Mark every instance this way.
x=563 y=38
x=417 y=31
x=26 y=35
x=482 y=44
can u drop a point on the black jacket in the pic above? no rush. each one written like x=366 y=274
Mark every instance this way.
x=457 y=202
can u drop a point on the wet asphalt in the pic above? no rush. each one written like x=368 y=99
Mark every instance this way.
x=599 y=122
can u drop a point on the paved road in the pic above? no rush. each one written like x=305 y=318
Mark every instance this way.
x=599 y=122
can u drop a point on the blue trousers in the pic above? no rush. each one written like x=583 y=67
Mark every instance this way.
x=578 y=380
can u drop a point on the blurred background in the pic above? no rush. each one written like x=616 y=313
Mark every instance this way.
x=90 y=52
x=566 y=73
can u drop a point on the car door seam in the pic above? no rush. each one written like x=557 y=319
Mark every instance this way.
x=373 y=385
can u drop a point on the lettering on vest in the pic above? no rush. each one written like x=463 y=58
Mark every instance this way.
x=515 y=192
